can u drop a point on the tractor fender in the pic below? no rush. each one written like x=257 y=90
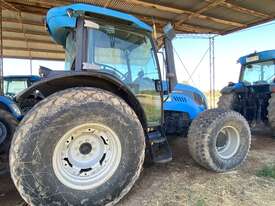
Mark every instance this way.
x=9 y=105
x=62 y=80
x=233 y=87
x=227 y=90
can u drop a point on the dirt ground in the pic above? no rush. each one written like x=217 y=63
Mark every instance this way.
x=182 y=182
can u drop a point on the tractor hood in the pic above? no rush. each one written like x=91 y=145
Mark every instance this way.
x=185 y=87
x=257 y=57
x=60 y=19
x=179 y=88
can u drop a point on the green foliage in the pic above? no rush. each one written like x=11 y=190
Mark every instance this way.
x=267 y=171
x=200 y=202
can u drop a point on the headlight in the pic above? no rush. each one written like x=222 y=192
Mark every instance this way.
x=16 y=109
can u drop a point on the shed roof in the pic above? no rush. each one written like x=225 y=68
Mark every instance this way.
x=24 y=34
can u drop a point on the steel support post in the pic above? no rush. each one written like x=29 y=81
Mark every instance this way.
x=212 y=89
x=1 y=53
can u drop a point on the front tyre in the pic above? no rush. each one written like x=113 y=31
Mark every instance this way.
x=219 y=139
x=80 y=146
x=271 y=113
x=8 y=125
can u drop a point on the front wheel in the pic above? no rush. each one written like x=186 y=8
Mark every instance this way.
x=219 y=139
x=81 y=146
x=271 y=113
x=8 y=124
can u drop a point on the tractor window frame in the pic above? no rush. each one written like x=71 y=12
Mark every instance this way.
x=243 y=68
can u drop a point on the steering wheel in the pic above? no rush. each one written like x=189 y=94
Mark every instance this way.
x=105 y=67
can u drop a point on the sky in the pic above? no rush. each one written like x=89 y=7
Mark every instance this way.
x=228 y=49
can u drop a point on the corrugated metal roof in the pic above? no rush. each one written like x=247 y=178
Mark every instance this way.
x=25 y=36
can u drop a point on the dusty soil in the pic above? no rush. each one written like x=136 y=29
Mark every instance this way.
x=182 y=182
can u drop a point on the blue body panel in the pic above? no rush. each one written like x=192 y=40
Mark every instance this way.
x=7 y=103
x=238 y=85
x=262 y=56
x=58 y=21
x=182 y=100
x=31 y=78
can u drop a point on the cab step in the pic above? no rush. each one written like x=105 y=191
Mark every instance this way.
x=159 y=147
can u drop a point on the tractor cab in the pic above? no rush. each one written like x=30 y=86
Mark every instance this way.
x=258 y=68
x=112 y=50
x=16 y=83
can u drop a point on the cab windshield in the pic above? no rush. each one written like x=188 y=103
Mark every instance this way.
x=13 y=87
x=259 y=73
x=124 y=54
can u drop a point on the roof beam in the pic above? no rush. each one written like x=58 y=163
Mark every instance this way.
x=242 y=9
x=31 y=32
x=182 y=27
x=200 y=11
x=28 y=22
x=40 y=3
x=31 y=40
x=34 y=50
x=182 y=11
x=33 y=57
x=33 y=9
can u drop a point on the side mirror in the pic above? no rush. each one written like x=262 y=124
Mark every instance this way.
x=169 y=31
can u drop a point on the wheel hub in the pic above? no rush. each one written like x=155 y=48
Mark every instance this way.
x=227 y=142
x=85 y=148
x=87 y=156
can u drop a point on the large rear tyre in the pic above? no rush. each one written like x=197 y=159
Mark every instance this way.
x=80 y=146
x=226 y=101
x=219 y=140
x=271 y=113
x=8 y=125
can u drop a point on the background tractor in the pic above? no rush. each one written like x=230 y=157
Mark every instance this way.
x=11 y=113
x=253 y=96
x=14 y=84
x=85 y=142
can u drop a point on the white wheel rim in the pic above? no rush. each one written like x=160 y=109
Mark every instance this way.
x=86 y=156
x=227 y=142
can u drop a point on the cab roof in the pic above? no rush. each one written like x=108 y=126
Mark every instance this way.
x=58 y=21
x=257 y=57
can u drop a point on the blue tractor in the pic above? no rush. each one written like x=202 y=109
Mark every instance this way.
x=254 y=95
x=11 y=113
x=85 y=142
